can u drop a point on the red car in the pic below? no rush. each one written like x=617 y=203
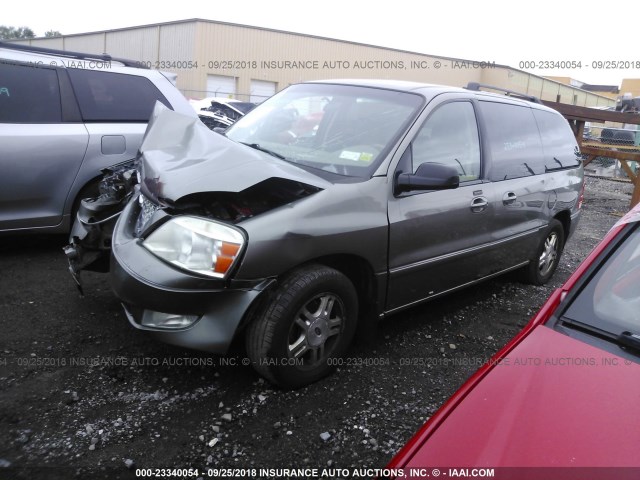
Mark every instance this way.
x=565 y=392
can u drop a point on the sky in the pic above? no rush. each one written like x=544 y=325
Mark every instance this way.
x=601 y=39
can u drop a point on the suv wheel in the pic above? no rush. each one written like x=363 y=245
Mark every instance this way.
x=310 y=320
x=547 y=256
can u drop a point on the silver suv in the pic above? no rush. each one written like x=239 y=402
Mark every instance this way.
x=64 y=116
x=327 y=207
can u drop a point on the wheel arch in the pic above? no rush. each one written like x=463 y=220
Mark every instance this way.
x=361 y=274
x=355 y=268
x=564 y=217
x=87 y=189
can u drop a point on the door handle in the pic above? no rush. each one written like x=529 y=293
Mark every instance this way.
x=508 y=198
x=479 y=204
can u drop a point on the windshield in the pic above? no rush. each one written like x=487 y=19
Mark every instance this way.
x=342 y=129
x=611 y=299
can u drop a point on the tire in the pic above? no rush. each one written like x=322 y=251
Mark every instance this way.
x=309 y=320
x=547 y=256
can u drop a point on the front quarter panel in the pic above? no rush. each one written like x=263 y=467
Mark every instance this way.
x=348 y=218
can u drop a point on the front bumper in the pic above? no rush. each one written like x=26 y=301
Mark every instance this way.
x=145 y=283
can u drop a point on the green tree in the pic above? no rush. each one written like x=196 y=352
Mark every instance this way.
x=13 y=32
x=52 y=33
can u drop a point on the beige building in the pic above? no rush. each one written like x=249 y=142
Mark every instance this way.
x=609 y=91
x=631 y=85
x=221 y=59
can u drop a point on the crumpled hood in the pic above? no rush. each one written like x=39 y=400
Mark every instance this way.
x=180 y=156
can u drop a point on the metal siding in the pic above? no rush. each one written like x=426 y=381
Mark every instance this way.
x=261 y=90
x=57 y=42
x=244 y=44
x=221 y=49
x=582 y=99
x=178 y=44
x=535 y=86
x=549 y=91
x=139 y=44
x=631 y=85
x=221 y=86
x=566 y=94
x=93 y=43
x=498 y=77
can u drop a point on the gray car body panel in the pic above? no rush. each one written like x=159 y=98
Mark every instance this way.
x=321 y=225
x=46 y=166
x=417 y=246
x=32 y=191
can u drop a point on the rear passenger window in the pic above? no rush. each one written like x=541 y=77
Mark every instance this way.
x=513 y=141
x=29 y=94
x=450 y=137
x=558 y=141
x=113 y=97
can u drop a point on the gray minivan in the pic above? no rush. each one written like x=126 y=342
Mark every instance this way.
x=329 y=206
x=64 y=116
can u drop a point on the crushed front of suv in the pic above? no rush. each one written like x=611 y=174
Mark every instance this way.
x=332 y=205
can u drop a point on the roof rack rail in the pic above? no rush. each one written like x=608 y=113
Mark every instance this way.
x=71 y=54
x=510 y=93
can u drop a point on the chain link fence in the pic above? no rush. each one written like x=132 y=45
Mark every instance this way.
x=614 y=137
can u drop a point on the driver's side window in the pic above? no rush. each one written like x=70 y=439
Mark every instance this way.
x=450 y=137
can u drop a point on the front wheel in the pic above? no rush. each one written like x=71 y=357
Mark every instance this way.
x=545 y=261
x=309 y=322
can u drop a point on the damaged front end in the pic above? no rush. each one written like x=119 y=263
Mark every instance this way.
x=90 y=239
x=183 y=168
x=234 y=207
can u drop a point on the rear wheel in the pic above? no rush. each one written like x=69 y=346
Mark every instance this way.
x=309 y=321
x=545 y=261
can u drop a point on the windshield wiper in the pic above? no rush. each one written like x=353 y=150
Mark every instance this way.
x=265 y=150
x=630 y=340
x=626 y=340
x=561 y=167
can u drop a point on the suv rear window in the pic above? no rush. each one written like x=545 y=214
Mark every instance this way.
x=114 y=97
x=558 y=140
x=29 y=94
x=514 y=141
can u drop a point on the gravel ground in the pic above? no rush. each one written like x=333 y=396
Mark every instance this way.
x=83 y=395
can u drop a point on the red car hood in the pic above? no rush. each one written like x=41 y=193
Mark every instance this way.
x=554 y=402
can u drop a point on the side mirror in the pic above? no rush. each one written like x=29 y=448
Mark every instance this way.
x=429 y=176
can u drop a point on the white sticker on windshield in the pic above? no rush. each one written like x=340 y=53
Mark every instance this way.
x=347 y=155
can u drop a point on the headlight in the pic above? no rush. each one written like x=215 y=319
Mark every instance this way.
x=198 y=245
